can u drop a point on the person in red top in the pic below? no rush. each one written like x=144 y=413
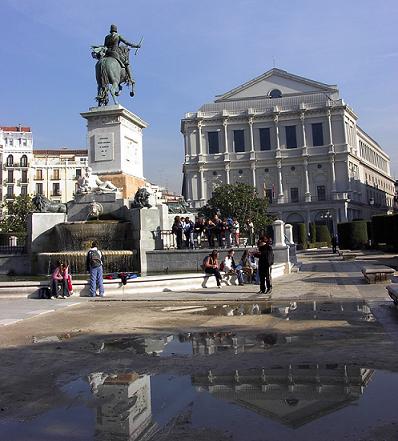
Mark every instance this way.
x=59 y=286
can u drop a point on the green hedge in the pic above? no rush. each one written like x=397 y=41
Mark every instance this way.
x=302 y=238
x=385 y=230
x=353 y=235
x=312 y=232
x=323 y=234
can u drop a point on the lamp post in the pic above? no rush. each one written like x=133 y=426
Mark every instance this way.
x=328 y=218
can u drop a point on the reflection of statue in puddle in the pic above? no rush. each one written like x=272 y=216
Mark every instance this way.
x=124 y=410
x=292 y=395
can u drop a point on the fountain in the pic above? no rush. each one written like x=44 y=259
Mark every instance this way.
x=70 y=241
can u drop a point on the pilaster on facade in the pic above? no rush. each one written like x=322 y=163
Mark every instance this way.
x=225 y=125
x=281 y=198
x=251 y=134
x=302 y=120
x=276 y=123
x=200 y=141
x=307 y=194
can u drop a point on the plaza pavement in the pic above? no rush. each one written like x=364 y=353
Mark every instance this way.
x=322 y=275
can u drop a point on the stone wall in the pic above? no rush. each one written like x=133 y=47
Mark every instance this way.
x=161 y=261
x=18 y=263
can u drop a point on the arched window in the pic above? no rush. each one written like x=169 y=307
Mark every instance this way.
x=10 y=161
x=24 y=161
x=275 y=93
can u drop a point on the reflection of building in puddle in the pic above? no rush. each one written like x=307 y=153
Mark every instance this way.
x=305 y=310
x=293 y=396
x=208 y=343
x=124 y=406
x=323 y=310
x=137 y=345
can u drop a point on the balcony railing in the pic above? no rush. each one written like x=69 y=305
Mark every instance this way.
x=38 y=178
x=56 y=193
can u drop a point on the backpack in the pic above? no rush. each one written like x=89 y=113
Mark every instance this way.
x=203 y=266
x=44 y=292
x=95 y=259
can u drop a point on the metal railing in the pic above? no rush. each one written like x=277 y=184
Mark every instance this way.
x=12 y=243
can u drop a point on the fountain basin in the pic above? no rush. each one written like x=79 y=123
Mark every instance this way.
x=114 y=261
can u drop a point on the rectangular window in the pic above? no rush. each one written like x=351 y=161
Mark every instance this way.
x=56 y=174
x=39 y=174
x=214 y=146
x=268 y=195
x=10 y=191
x=239 y=140
x=291 y=139
x=39 y=188
x=294 y=194
x=78 y=172
x=317 y=134
x=265 y=139
x=24 y=177
x=10 y=176
x=321 y=192
x=24 y=190
x=56 y=189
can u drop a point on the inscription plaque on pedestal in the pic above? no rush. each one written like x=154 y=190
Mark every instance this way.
x=103 y=147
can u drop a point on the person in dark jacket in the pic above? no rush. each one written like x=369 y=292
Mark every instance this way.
x=211 y=266
x=177 y=229
x=265 y=261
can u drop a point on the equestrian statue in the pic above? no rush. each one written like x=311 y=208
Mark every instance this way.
x=113 y=66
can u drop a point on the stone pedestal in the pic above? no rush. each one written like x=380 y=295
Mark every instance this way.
x=289 y=233
x=279 y=233
x=38 y=224
x=146 y=226
x=112 y=208
x=114 y=142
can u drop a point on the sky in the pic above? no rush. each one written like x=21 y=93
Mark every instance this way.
x=192 y=51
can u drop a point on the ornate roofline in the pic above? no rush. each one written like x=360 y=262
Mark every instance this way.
x=281 y=73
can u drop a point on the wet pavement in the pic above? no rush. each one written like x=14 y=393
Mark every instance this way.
x=318 y=364
x=304 y=402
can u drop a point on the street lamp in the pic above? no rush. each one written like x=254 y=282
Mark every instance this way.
x=327 y=217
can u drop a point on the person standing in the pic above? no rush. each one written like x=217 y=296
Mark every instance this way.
x=188 y=232
x=94 y=263
x=334 y=243
x=177 y=229
x=249 y=227
x=236 y=231
x=265 y=262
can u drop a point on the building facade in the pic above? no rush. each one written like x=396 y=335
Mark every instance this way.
x=297 y=142
x=55 y=173
x=28 y=171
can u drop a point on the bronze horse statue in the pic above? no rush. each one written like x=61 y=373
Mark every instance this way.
x=110 y=75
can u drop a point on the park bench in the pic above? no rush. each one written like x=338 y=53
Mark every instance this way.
x=377 y=273
x=393 y=292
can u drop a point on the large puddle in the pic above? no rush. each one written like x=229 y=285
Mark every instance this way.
x=294 y=402
x=207 y=343
x=289 y=310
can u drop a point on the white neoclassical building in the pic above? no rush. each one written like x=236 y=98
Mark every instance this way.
x=297 y=142
x=28 y=171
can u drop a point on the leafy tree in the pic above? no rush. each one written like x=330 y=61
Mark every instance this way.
x=15 y=213
x=241 y=201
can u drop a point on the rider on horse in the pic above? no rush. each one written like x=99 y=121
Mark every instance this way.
x=112 y=41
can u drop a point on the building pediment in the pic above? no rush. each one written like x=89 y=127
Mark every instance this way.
x=276 y=79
